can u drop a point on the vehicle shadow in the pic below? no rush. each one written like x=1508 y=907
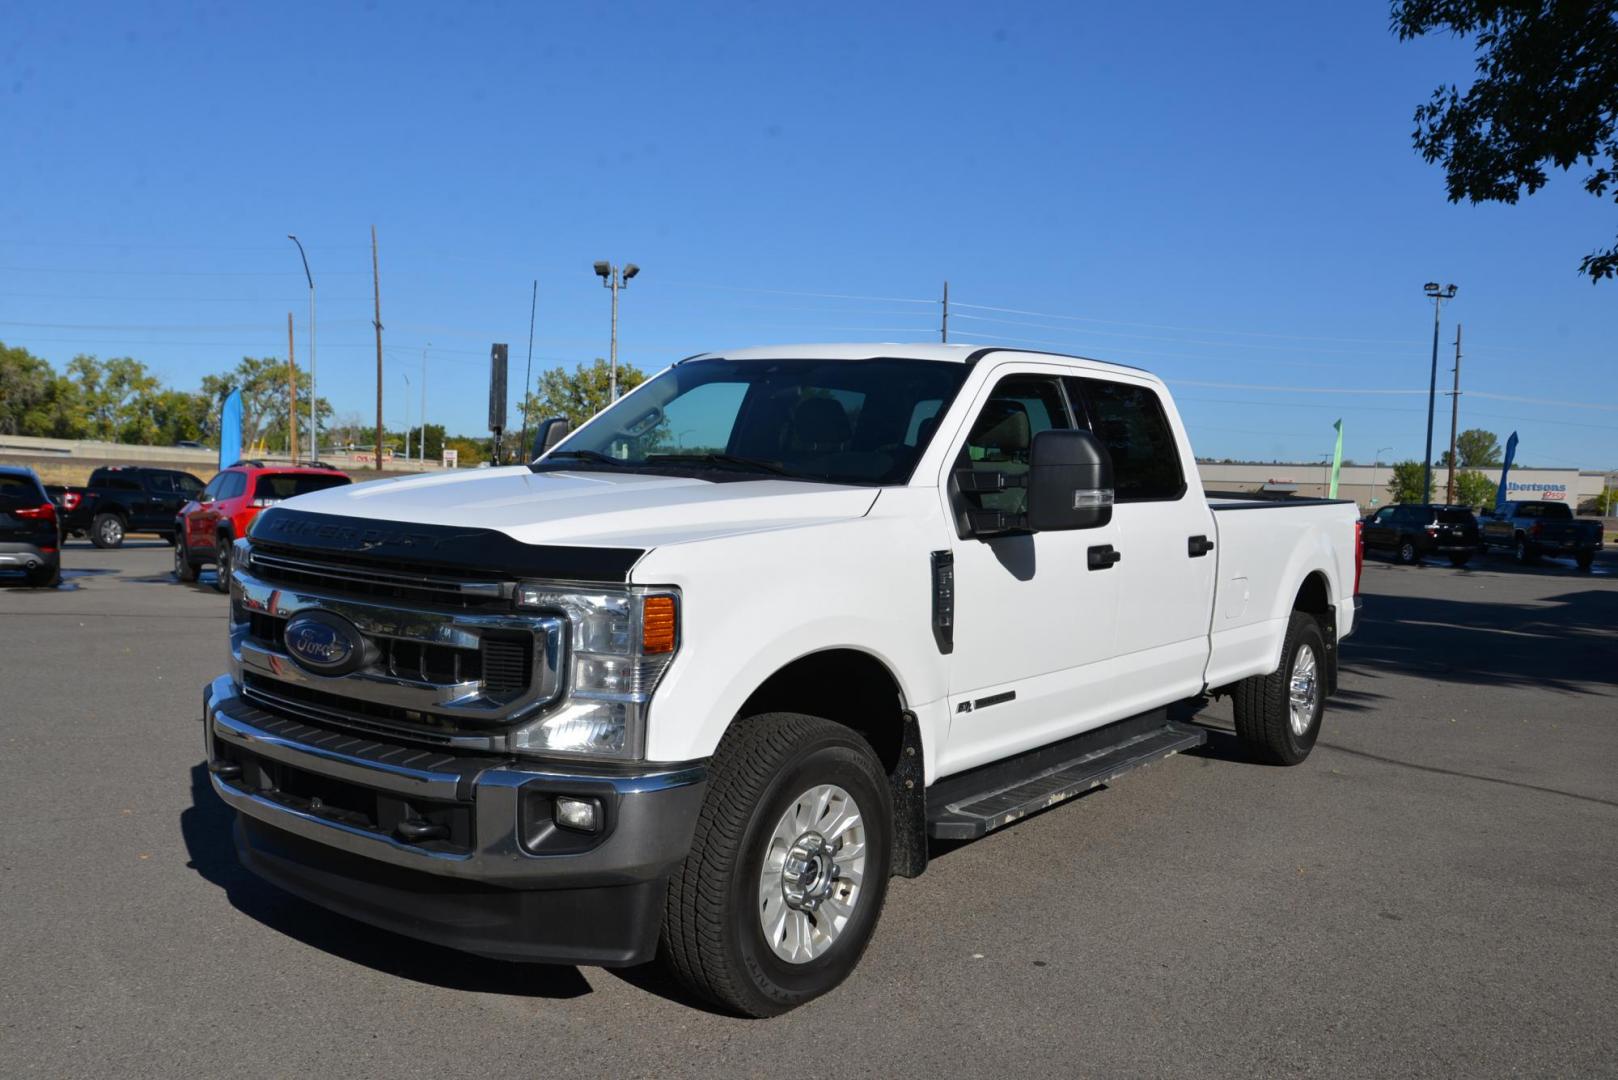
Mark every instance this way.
x=205 y=827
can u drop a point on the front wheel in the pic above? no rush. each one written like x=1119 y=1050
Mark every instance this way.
x=788 y=868
x=1459 y=560
x=221 y=579
x=1522 y=552
x=107 y=531
x=1278 y=715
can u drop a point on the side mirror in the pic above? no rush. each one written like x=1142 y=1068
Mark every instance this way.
x=1069 y=481
x=550 y=433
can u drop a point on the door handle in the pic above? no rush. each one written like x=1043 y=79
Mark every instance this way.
x=1102 y=556
x=1198 y=546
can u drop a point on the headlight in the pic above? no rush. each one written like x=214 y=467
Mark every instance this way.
x=620 y=641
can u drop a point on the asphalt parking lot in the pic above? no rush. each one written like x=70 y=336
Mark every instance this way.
x=1431 y=893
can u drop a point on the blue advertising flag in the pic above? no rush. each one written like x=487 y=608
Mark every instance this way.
x=230 y=430
x=1505 y=470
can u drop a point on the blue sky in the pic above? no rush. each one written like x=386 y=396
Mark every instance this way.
x=1226 y=196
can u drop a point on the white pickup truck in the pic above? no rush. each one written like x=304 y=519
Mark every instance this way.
x=710 y=669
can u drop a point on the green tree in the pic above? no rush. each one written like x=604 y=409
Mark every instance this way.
x=1404 y=486
x=435 y=441
x=578 y=394
x=1477 y=449
x=117 y=397
x=471 y=451
x=263 y=383
x=1546 y=94
x=34 y=400
x=180 y=415
x=1473 y=489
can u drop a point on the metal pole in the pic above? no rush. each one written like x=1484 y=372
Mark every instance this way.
x=1376 y=464
x=421 y=443
x=314 y=391
x=1432 y=393
x=292 y=396
x=376 y=285
x=406 y=379
x=612 y=383
x=528 y=369
x=943 y=326
x=1454 y=413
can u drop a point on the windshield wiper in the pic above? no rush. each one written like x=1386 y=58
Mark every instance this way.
x=731 y=460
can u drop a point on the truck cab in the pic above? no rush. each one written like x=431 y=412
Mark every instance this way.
x=696 y=681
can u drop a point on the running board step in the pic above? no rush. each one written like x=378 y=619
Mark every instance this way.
x=965 y=806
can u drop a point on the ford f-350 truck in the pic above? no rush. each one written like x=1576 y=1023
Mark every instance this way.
x=709 y=670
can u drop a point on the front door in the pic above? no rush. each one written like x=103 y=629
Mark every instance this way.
x=1033 y=621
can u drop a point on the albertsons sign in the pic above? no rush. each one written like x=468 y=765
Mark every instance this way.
x=1515 y=490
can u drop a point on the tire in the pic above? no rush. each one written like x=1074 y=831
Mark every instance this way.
x=1585 y=560
x=167 y=538
x=1523 y=552
x=1263 y=704
x=1459 y=561
x=221 y=579
x=184 y=569
x=45 y=579
x=107 y=531
x=767 y=779
x=1407 y=553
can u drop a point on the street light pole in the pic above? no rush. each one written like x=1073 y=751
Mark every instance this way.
x=1437 y=296
x=314 y=420
x=421 y=443
x=614 y=278
x=406 y=379
x=1376 y=463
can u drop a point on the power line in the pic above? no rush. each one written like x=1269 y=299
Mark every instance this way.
x=798 y=292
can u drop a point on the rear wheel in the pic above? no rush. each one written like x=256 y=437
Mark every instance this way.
x=1459 y=559
x=107 y=531
x=45 y=578
x=1585 y=559
x=1278 y=715
x=781 y=890
x=184 y=569
x=1523 y=553
x=221 y=579
x=1408 y=553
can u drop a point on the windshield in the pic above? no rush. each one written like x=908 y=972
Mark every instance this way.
x=831 y=421
x=286 y=485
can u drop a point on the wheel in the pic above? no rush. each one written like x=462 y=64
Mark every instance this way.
x=1278 y=715
x=221 y=579
x=1458 y=560
x=184 y=569
x=107 y=531
x=167 y=537
x=1408 y=553
x=786 y=875
x=1523 y=553
x=47 y=578
x=1585 y=559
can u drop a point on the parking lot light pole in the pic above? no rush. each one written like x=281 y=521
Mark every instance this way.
x=614 y=278
x=1437 y=296
x=314 y=417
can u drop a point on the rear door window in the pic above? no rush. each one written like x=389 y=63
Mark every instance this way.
x=1130 y=422
x=232 y=485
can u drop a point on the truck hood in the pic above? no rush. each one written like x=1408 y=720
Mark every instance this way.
x=592 y=508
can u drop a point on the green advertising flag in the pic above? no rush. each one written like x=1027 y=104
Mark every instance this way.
x=1336 y=459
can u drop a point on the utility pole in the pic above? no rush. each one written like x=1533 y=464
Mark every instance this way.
x=943 y=326
x=1454 y=413
x=292 y=394
x=1437 y=296
x=376 y=287
x=314 y=389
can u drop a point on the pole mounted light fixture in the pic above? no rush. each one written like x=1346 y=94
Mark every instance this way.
x=314 y=437
x=614 y=278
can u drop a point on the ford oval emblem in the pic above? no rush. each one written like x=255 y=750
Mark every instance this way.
x=324 y=644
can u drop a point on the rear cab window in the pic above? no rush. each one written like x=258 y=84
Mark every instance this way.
x=1452 y=516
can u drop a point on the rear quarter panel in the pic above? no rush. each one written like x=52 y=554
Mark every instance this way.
x=1265 y=554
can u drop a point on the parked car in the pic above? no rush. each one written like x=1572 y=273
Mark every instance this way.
x=717 y=665
x=30 y=531
x=1412 y=531
x=1531 y=529
x=225 y=508
x=121 y=499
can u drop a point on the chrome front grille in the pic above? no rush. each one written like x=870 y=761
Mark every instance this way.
x=452 y=672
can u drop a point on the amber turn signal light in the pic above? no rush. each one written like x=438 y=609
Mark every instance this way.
x=657 y=625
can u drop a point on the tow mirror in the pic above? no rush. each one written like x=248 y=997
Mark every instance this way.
x=1069 y=481
x=550 y=433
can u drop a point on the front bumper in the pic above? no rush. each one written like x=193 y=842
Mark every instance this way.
x=325 y=816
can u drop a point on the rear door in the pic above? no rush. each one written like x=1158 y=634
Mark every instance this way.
x=1166 y=531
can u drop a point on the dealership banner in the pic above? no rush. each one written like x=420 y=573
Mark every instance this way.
x=1505 y=474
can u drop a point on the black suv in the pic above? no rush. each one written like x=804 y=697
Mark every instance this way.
x=1413 y=530
x=30 y=536
x=129 y=498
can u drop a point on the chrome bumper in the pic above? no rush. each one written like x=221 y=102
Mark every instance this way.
x=651 y=815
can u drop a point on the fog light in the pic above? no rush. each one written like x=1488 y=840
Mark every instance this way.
x=583 y=815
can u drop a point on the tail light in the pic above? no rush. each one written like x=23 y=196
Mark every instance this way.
x=70 y=500
x=1359 y=554
x=46 y=512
